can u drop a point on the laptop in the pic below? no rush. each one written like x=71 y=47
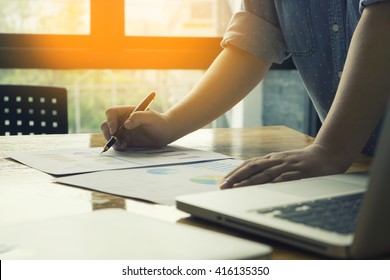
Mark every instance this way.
x=340 y=216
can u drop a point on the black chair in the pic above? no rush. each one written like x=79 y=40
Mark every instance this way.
x=33 y=110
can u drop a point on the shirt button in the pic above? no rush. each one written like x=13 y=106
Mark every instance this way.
x=335 y=27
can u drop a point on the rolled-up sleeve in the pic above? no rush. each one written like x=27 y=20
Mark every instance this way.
x=257 y=36
x=365 y=3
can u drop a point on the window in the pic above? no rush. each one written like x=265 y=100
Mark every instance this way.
x=114 y=34
x=201 y=18
x=92 y=91
x=45 y=17
x=114 y=52
x=110 y=52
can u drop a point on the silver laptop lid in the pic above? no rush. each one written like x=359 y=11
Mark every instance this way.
x=372 y=234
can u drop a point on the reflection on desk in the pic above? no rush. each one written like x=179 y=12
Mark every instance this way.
x=27 y=194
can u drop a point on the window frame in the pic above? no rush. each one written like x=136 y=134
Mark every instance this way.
x=107 y=46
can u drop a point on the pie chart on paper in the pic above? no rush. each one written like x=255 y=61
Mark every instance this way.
x=163 y=171
x=207 y=180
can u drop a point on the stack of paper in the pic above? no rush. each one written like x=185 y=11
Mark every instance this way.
x=156 y=175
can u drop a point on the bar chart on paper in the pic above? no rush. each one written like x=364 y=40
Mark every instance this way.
x=156 y=184
x=207 y=180
x=65 y=162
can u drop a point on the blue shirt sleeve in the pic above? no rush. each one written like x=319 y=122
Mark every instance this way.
x=365 y=3
x=255 y=29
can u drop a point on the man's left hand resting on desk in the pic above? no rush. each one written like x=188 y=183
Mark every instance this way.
x=315 y=160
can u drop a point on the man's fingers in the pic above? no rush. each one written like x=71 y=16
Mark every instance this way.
x=288 y=176
x=116 y=116
x=105 y=130
x=257 y=169
x=265 y=176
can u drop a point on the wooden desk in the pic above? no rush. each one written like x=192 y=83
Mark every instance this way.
x=27 y=194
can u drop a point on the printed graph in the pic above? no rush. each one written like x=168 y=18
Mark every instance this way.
x=163 y=171
x=218 y=166
x=207 y=179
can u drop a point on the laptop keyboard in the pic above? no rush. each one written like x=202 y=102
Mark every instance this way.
x=338 y=214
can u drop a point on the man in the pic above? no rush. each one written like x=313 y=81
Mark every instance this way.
x=342 y=57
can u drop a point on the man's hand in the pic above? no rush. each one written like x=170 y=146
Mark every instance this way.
x=312 y=161
x=141 y=129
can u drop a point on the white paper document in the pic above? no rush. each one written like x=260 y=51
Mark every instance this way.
x=113 y=234
x=156 y=184
x=66 y=162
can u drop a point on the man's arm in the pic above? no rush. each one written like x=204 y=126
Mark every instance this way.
x=232 y=75
x=228 y=80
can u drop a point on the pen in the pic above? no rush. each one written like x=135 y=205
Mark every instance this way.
x=143 y=106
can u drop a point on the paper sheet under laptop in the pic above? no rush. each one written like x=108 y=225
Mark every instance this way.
x=156 y=184
x=66 y=162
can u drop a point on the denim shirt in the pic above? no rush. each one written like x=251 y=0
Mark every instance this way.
x=316 y=33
